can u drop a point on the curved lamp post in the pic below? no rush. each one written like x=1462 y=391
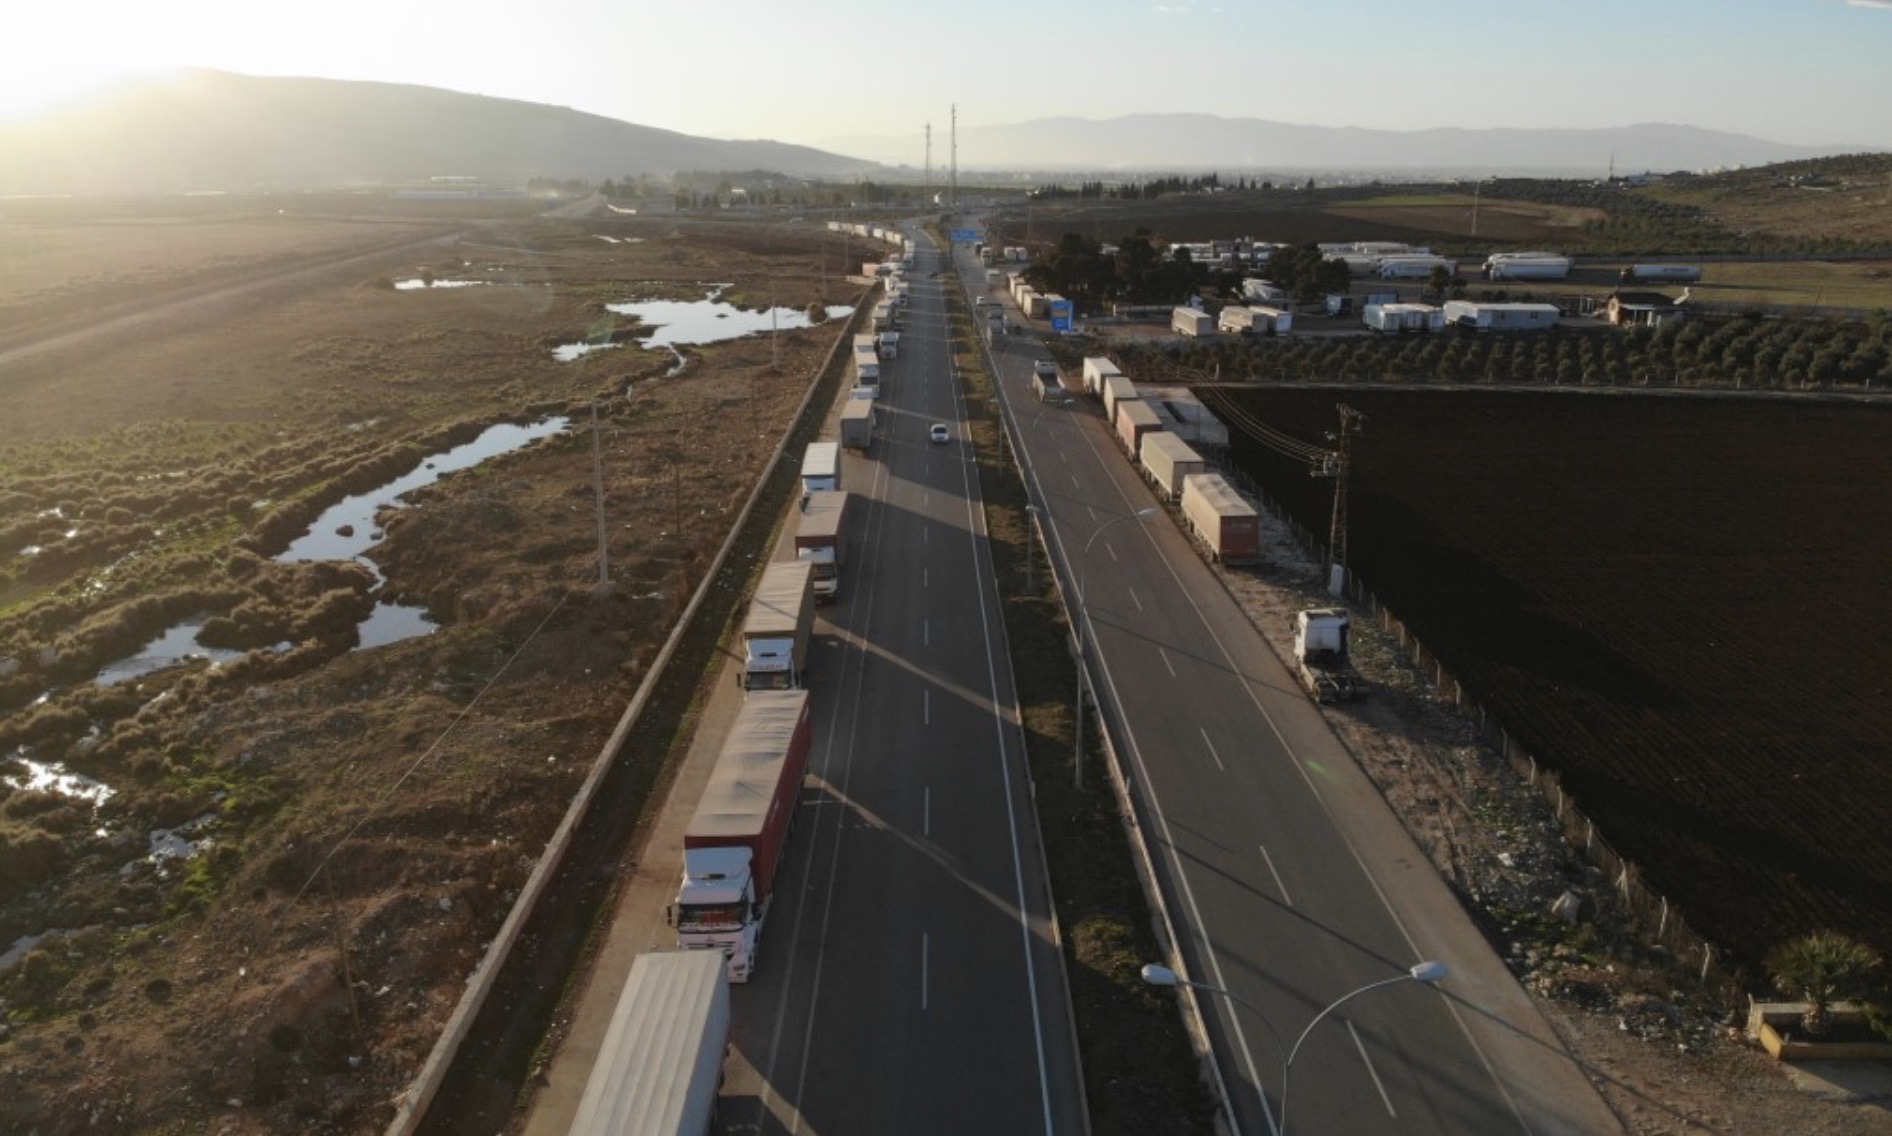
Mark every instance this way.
x=1430 y=973
x=1083 y=619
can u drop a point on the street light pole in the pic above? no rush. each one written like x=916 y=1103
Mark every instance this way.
x=1430 y=973
x=1083 y=619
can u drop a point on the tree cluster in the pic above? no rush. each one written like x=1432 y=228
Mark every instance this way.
x=1305 y=273
x=1144 y=269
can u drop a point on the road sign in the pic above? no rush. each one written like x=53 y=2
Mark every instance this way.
x=1060 y=315
x=965 y=234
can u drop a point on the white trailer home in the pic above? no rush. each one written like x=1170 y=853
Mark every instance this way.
x=1500 y=317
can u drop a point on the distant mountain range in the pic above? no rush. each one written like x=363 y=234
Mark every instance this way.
x=212 y=130
x=1202 y=142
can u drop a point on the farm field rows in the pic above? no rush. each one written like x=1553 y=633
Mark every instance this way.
x=1676 y=603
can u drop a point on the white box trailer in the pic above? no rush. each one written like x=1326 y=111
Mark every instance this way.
x=1096 y=369
x=889 y=345
x=1221 y=518
x=1117 y=389
x=857 y=423
x=1235 y=319
x=1256 y=290
x=821 y=466
x=1135 y=420
x=818 y=540
x=994 y=278
x=1168 y=459
x=775 y=632
x=1505 y=266
x=1404 y=317
x=1500 y=317
x=1414 y=267
x=1036 y=305
x=661 y=1062
x=1272 y=320
x=1191 y=321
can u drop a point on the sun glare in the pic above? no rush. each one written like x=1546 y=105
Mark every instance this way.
x=27 y=91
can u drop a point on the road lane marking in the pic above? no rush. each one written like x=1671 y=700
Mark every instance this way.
x=1110 y=548
x=926 y=811
x=925 y=950
x=1371 y=1071
x=1205 y=741
x=1164 y=655
x=1135 y=600
x=1279 y=885
x=1076 y=482
x=926 y=707
x=926 y=577
x=926 y=633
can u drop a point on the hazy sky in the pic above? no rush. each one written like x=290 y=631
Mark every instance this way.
x=1804 y=71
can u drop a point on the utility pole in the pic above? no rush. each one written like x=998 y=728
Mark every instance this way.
x=955 y=159
x=929 y=161
x=1337 y=465
x=597 y=483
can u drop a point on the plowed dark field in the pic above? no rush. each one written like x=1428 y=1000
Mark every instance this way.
x=1679 y=604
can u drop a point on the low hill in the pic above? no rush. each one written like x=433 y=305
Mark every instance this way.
x=209 y=130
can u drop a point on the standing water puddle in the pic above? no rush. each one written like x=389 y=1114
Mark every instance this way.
x=709 y=320
x=388 y=622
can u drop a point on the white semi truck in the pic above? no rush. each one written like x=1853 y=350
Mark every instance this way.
x=733 y=845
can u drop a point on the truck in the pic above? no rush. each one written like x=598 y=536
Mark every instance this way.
x=1135 y=420
x=1236 y=320
x=1320 y=654
x=818 y=540
x=994 y=278
x=775 y=631
x=1096 y=369
x=1676 y=273
x=734 y=841
x=657 y=1072
x=889 y=345
x=1414 y=267
x=1168 y=459
x=1221 y=518
x=1342 y=303
x=1511 y=266
x=821 y=466
x=857 y=423
x=1117 y=389
x=1191 y=321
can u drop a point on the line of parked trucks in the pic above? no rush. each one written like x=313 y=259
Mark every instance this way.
x=660 y=1065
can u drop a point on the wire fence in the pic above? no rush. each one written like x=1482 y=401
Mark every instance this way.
x=1651 y=911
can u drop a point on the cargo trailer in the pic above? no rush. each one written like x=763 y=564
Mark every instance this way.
x=818 y=532
x=1135 y=419
x=661 y=1062
x=1117 y=389
x=1167 y=459
x=857 y=423
x=1221 y=518
x=733 y=845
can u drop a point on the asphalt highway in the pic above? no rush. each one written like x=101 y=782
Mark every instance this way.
x=1288 y=884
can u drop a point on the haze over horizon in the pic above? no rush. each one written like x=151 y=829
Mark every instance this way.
x=1805 y=72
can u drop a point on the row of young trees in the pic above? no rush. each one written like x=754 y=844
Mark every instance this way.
x=1745 y=352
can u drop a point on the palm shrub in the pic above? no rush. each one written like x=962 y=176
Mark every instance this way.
x=1825 y=967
